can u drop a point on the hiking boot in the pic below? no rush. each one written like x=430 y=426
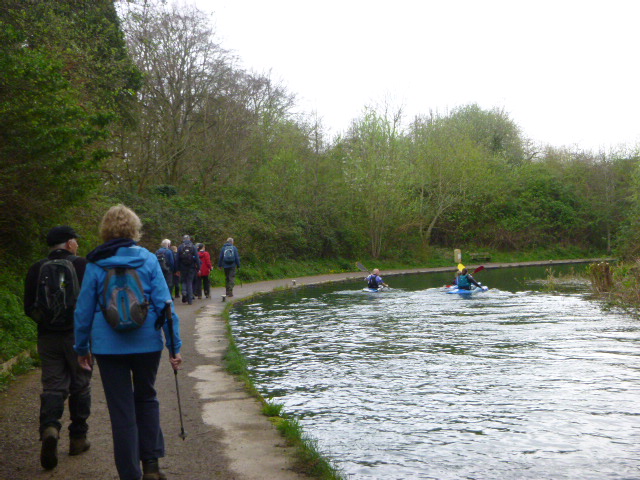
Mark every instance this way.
x=184 y=299
x=151 y=470
x=49 y=451
x=78 y=445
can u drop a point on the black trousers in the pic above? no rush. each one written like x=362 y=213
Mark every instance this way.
x=200 y=284
x=134 y=410
x=63 y=378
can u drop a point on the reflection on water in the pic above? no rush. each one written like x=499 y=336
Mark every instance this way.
x=514 y=383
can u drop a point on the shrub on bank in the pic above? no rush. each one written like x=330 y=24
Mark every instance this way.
x=17 y=331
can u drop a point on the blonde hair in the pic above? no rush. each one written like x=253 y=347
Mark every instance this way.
x=120 y=222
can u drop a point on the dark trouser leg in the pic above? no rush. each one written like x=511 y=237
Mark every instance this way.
x=55 y=379
x=133 y=409
x=176 y=285
x=197 y=285
x=51 y=410
x=206 y=286
x=148 y=407
x=187 y=284
x=230 y=279
x=79 y=393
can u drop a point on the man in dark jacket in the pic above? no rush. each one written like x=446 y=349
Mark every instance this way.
x=230 y=261
x=52 y=305
x=166 y=259
x=188 y=265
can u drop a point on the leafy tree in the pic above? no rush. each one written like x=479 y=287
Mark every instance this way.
x=64 y=78
x=373 y=166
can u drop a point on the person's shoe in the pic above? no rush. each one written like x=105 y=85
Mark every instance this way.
x=151 y=470
x=184 y=299
x=199 y=298
x=49 y=450
x=78 y=445
x=206 y=296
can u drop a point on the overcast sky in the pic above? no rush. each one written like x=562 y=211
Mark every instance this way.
x=567 y=72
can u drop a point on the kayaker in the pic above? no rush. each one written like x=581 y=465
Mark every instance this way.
x=374 y=281
x=465 y=280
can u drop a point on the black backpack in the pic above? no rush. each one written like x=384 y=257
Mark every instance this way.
x=56 y=294
x=186 y=254
x=164 y=265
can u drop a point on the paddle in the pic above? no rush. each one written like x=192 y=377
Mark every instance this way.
x=362 y=267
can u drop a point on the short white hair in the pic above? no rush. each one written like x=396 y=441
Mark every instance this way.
x=230 y=240
x=165 y=243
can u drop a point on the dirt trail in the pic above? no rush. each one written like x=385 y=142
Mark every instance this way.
x=227 y=436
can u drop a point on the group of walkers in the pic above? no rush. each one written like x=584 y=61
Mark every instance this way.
x=187 y=268
x=115 y=308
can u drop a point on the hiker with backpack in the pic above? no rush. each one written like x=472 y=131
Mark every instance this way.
x=202 y=280
x=51 y=290
x=165 y=259
x=119 y=316
x=188 y=266
x=230 y=261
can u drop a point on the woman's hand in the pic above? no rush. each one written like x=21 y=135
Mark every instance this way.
x=176 y=361
x=86 y=361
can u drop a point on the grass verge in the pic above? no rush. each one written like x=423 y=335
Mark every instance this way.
x=24 y=364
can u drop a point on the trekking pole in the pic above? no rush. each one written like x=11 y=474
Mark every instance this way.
x=172 y=350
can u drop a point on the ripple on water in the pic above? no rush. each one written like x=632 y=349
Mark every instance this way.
x=417 y=384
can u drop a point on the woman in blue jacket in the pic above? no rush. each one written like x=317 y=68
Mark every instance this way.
x=128 y=359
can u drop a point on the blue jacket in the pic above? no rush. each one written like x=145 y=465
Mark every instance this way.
x=236 y=257
x=94 y=334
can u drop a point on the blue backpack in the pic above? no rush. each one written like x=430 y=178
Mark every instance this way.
x=122 y=301
x=229 y=256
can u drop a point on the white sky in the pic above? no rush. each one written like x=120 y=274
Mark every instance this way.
x=566 y=71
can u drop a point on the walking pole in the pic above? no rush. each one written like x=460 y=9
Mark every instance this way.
x=169 y=314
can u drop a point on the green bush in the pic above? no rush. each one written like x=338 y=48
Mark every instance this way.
x=17 y=331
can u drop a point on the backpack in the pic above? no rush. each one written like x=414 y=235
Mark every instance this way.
x=186 y=255
x=122 y=301
x=229 y=255
x=56 y=295
x=164 y=265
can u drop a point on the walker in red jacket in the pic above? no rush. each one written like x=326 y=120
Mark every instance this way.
x=202 y=280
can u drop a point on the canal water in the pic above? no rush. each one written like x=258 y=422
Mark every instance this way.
x=530 y=380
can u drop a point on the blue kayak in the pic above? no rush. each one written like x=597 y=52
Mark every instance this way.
x=463 y=292
x=373 y=290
